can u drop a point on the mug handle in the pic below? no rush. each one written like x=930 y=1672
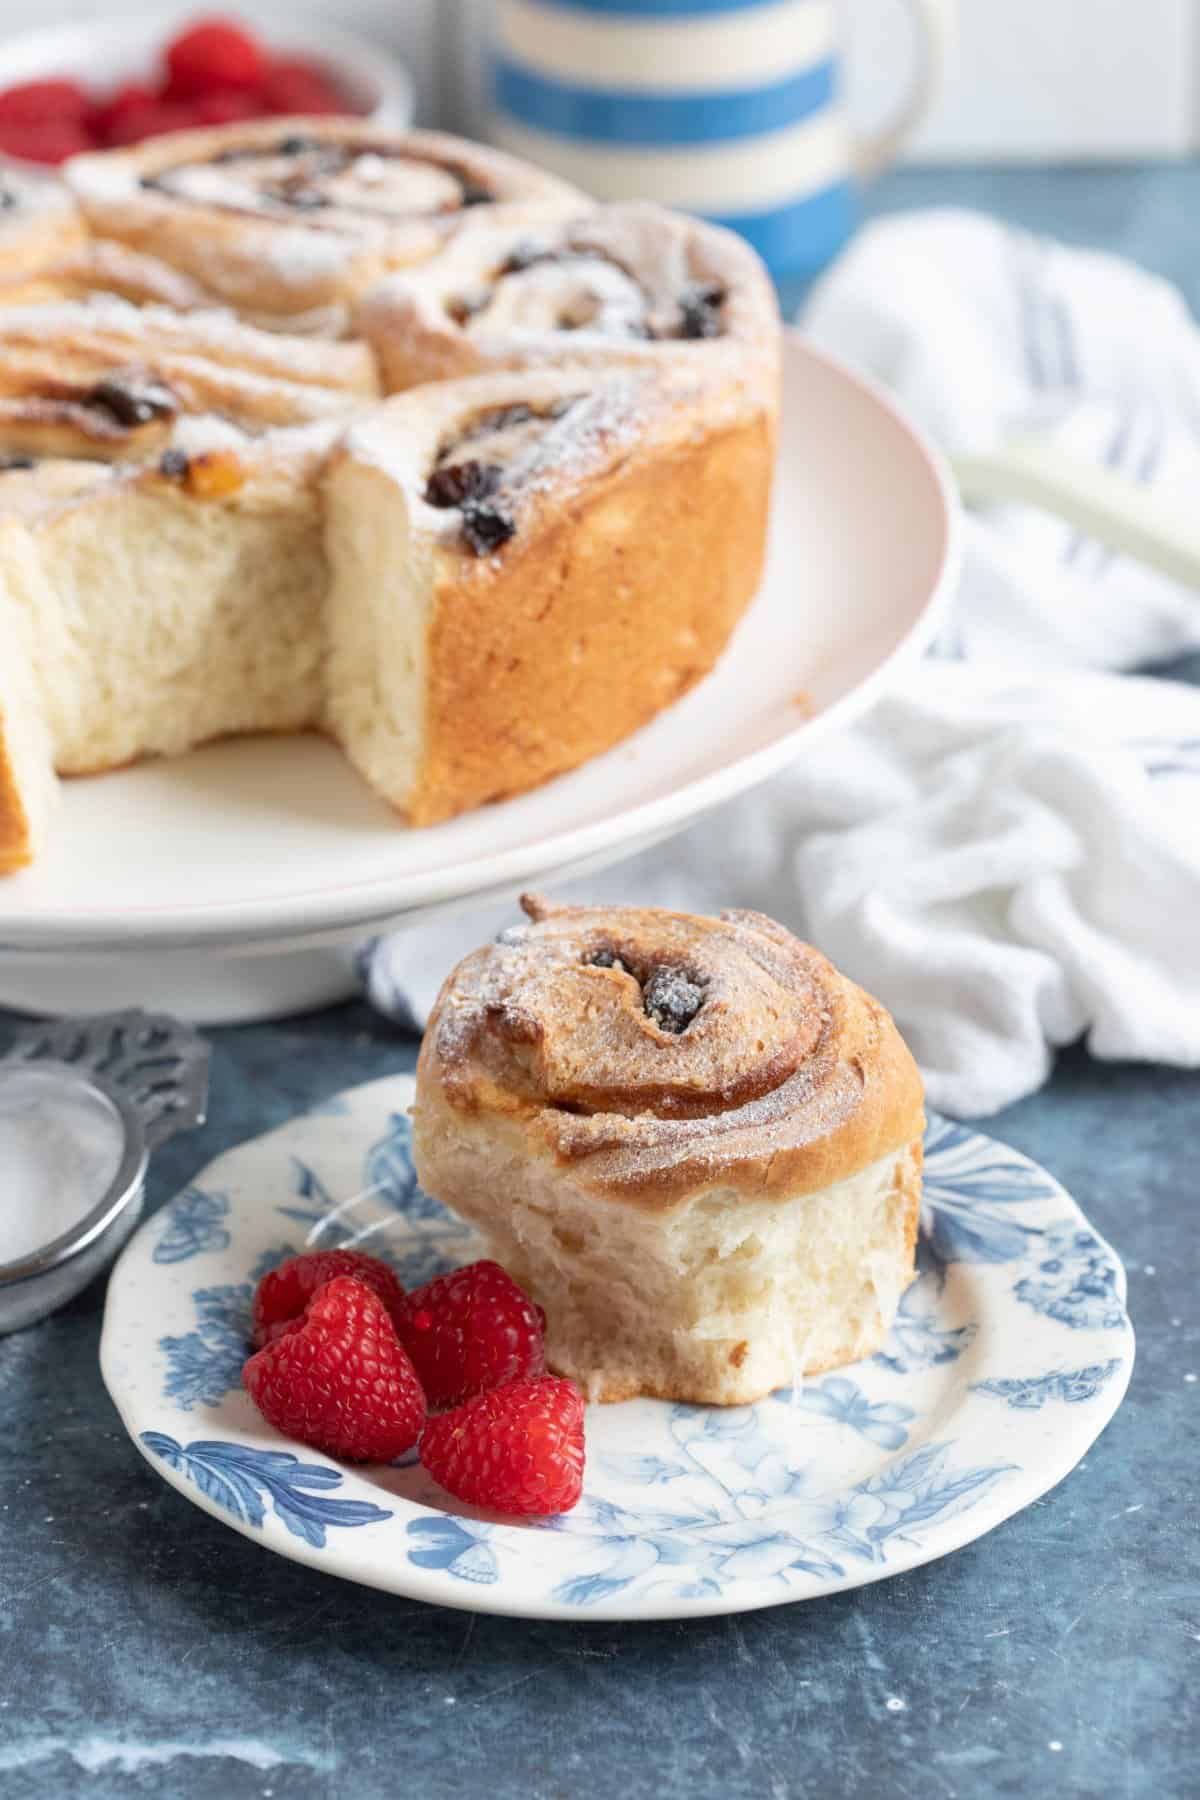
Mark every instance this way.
x=933 y=23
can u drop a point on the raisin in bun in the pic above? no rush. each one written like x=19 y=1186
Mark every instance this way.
x=615 y=283
x=692 y=1140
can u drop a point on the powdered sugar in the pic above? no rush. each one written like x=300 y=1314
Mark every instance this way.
x=542 y=456
x=24 y=195
x=202 y=433
x=723 y=1101
x=584 y=294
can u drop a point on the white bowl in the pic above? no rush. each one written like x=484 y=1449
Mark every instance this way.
x=105 y=53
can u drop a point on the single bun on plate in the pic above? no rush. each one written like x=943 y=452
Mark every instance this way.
x=527 y=567
x=692 y=1140
x=289 y=221
x=614 y=283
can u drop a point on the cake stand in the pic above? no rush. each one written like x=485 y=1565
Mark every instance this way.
x=236 y=882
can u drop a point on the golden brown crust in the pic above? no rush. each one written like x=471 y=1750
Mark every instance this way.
x=207 y=203
x=531 y=1030
x=16 y=839
x=581 y=632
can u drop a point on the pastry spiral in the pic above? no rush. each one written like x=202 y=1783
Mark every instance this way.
x=695 y=1140
x=103 y=379
x=617 y=283
x=289 y=221
x=472 y=588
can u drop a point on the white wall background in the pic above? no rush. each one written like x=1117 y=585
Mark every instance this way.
x=1032 y=78
x=1045 y=78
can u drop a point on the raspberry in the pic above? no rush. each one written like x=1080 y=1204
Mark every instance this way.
x=469 y=1331
x=43 y=103
x=213 y=53
x=341 y=1380
x=283 y=1293
x=110 y=115
x=291 y=85
x=149 y=119
x=518 y=1449
x=225 y=106
x=47 y=143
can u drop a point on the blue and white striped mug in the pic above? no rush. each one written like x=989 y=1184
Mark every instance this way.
x=727 y=108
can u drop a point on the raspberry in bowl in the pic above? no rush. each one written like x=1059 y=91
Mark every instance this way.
x=112 y=83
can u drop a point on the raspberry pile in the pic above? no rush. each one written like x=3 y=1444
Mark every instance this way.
x=215 y=72
x=348 y=1362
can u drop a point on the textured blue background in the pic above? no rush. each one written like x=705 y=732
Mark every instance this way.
x=147 y=1650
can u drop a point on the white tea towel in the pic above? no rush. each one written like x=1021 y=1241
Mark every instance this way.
x=1009 y=866
x=983 y=333
x=1010 y=862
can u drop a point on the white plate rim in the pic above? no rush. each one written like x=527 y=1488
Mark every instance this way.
x=269 y=919
x=1059 y=1451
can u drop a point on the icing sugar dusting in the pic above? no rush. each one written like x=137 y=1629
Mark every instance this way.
x=584 y=294
x=541 y=456
x=756 y=1070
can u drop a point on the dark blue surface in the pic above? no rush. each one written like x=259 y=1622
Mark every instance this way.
x=147 y=1650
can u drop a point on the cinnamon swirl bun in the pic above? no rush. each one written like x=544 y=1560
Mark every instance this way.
x=617 y=283
x=527 y=567
x=691 y=1139
x=288 y=221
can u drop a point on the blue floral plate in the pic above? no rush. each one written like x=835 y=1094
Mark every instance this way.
x=1009 y=1356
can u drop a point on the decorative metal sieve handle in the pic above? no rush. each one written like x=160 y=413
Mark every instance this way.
x=158 y=1065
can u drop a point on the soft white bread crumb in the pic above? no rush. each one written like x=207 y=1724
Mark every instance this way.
x=380 y=599
x=166 y=621
x=719 y=1299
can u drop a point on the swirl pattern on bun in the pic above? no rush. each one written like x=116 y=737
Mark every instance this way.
x=630 y=283
x=693 y=1139
x=290 y=221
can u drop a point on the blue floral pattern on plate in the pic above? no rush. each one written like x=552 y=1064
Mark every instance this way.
x=204 y=1364
x=237 y=1477
x=194 y=1223
x=1074 y=1281
x=1017 y=1313
x=1032 y=1391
